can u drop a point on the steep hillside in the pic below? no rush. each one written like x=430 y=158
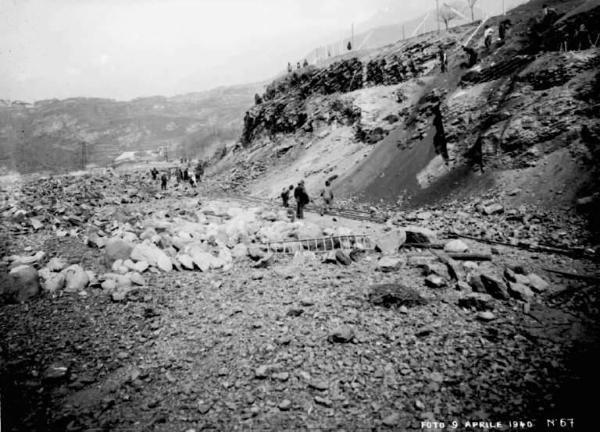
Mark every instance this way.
x=66 y=134
x=367 y=120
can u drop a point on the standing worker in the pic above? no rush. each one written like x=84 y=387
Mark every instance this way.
x=487 y=35
x=503 y=28
x=191 y=177
x=584 y=41
x=163 y=181
x=443 y=59
x=472 y=57
x=285 y=196
x=302 y=199
x=327 y=195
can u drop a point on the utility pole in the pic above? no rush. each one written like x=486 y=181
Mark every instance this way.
x=403 y=33
x=83 y=155
x=503 y=8
x=437 y=14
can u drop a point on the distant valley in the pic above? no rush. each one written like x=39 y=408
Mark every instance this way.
x=63 y=135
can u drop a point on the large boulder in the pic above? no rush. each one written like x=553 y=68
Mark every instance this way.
x=388 y=243
x=389 y=264
x=56 y=264
x=494 y=286
x=275 y=232
x=116 y=249
x=456 y=246
x=76 y=279
x=537 y=283
x=491 y=209
x=256 y=253
x=479 y=301
x=389 y=295
x=186 y=261
x=203 y=260
x=54 y=282
x=416 y=234
x=240 y=250
x=151 y=254
x=23 y=283
x=520 y=292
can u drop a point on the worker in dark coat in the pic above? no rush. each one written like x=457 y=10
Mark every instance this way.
x=471 y=57
x=163 y=181
x=503 y=28
x=302 y=199
x=583 y=39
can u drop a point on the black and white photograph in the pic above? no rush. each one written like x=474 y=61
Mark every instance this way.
x=299 y=215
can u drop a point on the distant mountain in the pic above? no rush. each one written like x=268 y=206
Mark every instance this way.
x=68 y=134
x=387 y=26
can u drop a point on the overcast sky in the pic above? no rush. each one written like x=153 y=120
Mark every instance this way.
x=128 y=48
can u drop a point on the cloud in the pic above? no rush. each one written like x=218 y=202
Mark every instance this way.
x=72 y=71
x=101 y=60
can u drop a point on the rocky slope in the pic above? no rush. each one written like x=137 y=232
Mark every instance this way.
x=66 y=134
x=366 y=119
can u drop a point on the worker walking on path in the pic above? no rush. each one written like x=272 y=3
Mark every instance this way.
x=302 y=199
x=327 y=195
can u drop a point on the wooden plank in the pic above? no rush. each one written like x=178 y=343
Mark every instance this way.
x=470 y=257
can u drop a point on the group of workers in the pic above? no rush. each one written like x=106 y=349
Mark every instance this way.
x=298 y=66
x=471 y=53
x=302 y=199
x=182 y=174
x=542 y=34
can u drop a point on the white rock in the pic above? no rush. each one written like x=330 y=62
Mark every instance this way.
x=537 y=283
x=152 y=255
x=390 y=242
x=76 y=279
x=141 y=266
x=186 y=261
x=240 y=250
x=203 y=260
x=117 y=265
x=55 y=282
x=116 y=249
x=456 y=246
x=389 y=264
x=56 y=264
x=136 y=278
x=109 y=285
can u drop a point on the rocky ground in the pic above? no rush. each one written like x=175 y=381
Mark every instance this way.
x=168 y=311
